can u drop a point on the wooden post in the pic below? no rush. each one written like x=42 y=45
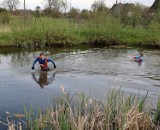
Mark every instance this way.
x=70 y=15
x=25 y=12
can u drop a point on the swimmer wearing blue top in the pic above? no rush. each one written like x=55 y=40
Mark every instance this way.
x=138 y=58
x=43 y=61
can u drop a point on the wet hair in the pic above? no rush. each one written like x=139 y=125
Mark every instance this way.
x=41 y=54
x=141 y=54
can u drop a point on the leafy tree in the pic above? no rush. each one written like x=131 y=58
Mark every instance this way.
x=5 y=16
x=2 y=10
x=55 y=6
x=136 y=16
x=125 y=13
x=156 y=5
x=99 y=5
x=157 y=16
x=85 y=14
x=74 y=12
x=38 y=11
x=52 y=13
x=130 y=14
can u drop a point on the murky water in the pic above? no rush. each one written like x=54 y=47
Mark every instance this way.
x=92 y=71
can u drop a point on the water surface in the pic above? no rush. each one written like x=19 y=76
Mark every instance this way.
x=92 y=71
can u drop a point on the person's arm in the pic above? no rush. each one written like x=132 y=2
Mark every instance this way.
x=50 y=60
x=51 y=79
x=34 y=63
x=34 y=78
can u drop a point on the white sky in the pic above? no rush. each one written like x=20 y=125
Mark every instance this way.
x=82 y=4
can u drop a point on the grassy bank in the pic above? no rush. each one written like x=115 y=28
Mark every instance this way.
x=80 y=113
x=63 y=32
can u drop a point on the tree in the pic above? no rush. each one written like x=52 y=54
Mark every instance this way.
x=2 y=10
x=156 y=5
x=48 y=8
x=74 y=12
x=11 y=4
x=157 y=16
x=99 y=5
x=136 y=15
x=85 y=14
x=147 y=17
x=55 y=6
x=37 y=11
x=126 y=13
x=65 y=5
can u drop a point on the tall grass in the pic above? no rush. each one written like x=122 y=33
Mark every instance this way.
x=77 y=112
x=97 y=30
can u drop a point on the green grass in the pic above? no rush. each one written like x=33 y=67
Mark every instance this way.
x=98 y=30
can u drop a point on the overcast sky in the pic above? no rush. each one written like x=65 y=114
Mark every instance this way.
x=82 y=4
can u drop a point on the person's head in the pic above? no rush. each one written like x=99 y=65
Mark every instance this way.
x=141 y=54
x=41 y=55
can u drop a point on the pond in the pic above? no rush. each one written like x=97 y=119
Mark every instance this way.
x=93 y=71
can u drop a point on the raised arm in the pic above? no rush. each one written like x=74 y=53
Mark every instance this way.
x=50 y=60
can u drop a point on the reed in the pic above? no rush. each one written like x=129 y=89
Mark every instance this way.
x=76 y=112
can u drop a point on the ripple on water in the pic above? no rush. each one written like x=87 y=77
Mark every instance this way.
x=92 y=70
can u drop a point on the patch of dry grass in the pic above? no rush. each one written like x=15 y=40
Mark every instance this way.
x=136 y=120
x=4 y=29
x=80 y=113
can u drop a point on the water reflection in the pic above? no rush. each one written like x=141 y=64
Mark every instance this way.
x=43 y=78
x=0 y=60
x=22 y=59
x=139 y=63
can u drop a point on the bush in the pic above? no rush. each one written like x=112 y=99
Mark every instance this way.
x=5 y=17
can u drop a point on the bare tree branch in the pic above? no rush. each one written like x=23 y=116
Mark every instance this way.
x=11 y=4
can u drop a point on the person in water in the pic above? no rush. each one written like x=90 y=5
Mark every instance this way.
x=138 y=58
x=43 y=61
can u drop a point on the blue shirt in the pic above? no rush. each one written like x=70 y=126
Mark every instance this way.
x=138 y=57
x=42 y=61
